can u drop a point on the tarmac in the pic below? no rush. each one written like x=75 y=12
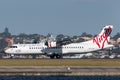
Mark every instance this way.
x=59 y=71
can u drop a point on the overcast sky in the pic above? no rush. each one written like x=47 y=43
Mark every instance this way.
x=69 y=17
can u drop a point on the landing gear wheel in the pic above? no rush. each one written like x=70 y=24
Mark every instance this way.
x=58 y=56
x=52 y=56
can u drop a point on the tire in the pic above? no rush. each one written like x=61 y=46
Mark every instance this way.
x=58 y=56
x=52 y=56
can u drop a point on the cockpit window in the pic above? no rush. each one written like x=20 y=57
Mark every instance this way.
x=13 y=46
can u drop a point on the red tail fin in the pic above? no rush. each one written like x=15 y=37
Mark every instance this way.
x=103 y=38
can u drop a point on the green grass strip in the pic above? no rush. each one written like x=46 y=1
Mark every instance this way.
x=60 y=62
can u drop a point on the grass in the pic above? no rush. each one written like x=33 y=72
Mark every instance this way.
x=60 y=62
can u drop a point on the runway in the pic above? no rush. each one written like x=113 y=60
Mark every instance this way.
x=59 y=70
x=58 y=67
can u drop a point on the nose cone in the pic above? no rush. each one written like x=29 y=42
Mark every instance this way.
x=7 y=51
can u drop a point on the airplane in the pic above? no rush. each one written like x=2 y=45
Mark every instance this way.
x=101 y=41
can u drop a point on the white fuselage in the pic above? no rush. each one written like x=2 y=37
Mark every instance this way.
x=26 y=49
x=77 y=48
x=82 y=47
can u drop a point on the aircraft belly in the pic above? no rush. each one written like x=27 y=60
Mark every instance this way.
x=64 y=51
x=25 y=51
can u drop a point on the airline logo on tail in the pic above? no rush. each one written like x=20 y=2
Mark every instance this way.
x=103 y=37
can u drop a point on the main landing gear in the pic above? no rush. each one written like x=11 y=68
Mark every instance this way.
x=57 y=56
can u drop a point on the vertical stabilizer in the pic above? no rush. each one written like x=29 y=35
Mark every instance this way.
x=103 y=38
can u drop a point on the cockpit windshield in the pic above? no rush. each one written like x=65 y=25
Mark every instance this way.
x=12 y=46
